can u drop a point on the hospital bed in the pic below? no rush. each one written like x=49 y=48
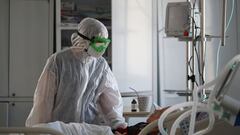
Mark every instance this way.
x=222 y=107
x=220 y=127
x=28 y=131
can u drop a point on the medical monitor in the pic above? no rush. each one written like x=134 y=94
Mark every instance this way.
x=178 y=20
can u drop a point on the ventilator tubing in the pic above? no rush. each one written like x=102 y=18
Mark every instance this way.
x=198 y=106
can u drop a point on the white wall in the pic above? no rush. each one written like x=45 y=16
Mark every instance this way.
x=132 y=44
x=213 y=27
x=132 y=47
x=172 y=52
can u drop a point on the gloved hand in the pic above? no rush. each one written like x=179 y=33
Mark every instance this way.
x=131 y=130
x=120 y=131
x=134 y=130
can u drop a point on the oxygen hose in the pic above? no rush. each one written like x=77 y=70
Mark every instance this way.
x=198 y=106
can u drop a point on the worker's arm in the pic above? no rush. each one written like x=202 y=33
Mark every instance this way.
x=44 y=95
x=110 y=100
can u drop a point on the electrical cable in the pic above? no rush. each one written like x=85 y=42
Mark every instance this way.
x=199 y=72
x=198 y=59
x=192 y=70
x=190 y=65
x=194 y=45
x=197 y=54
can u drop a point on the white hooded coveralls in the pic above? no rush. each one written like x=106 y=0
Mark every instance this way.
x=76 y=87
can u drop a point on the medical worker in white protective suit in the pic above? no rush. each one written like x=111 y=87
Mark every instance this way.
x=77 y=84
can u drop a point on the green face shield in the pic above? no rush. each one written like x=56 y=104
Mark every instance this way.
x=97 y=45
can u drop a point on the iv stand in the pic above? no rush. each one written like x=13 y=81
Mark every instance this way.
x=190 y=76
x=190 y=58
x=203 y=45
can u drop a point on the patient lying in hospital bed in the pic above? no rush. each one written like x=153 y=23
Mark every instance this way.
x=221 y=127
x=58 y=128
x=78 y=128
x=61 y=128
x=91 y=129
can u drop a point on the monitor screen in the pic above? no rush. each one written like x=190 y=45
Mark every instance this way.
x=177 y=18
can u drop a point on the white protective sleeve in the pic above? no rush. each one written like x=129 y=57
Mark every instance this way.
x=44 y=96
x=111 y=101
